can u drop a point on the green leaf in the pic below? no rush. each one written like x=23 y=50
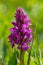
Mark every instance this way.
x=25 y=57
x=4 y=51
x=13 y=60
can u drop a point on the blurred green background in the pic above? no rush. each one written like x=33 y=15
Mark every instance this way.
x=34 y=9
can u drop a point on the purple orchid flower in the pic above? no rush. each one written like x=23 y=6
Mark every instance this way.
x=21 y=34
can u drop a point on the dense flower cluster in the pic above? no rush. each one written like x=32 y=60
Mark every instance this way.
x=21 y=33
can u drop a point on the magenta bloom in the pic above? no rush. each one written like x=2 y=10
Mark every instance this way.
x=21 y=33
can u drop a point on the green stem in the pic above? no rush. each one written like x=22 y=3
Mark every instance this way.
x=28 y=63
x=21 y=57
